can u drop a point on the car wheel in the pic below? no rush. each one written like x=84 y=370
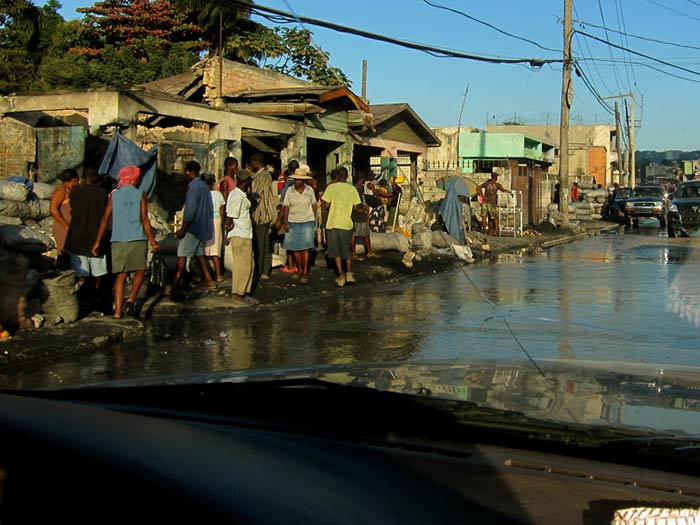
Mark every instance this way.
x=628 y=221
x=635 y=223
x=662 y=221
x=671 y=232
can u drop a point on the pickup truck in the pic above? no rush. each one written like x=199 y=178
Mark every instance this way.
x=647 y=202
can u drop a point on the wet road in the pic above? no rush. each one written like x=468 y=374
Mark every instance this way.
x=627 y=297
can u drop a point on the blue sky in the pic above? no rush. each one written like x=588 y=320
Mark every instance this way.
x=435 y=87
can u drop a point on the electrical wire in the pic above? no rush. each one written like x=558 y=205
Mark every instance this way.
x=669 y=64
x=627 y=44
x=622 y=41
x=674 y=10
x=593 y=90
x=617 y=78
x=584 y=23
x=259 y=9
x=606 y=61
x=590 y=52
x=482 y=22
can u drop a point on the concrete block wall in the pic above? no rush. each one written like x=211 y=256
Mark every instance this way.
x=239 y=77
x=17 y=147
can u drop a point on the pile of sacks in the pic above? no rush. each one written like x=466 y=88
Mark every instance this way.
x=20 y=202
x=32 y=293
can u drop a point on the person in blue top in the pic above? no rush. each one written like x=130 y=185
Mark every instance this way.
x=130 y=229
x=197 y=227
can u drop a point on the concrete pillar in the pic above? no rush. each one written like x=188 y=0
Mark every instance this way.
x=217 y=151
x=235 y=147
x=296 y=147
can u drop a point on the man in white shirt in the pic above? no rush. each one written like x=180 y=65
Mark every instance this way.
x=239 y=229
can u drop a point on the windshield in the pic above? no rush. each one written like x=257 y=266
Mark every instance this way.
x=361 y=195
x=689 y=191
x=647 y=192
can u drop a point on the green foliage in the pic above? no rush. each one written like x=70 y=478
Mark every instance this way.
x=136 y=26
x=128 y=42
x=287 y=50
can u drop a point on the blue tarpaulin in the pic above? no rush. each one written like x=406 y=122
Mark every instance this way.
x=451 y=209
x=123 y=152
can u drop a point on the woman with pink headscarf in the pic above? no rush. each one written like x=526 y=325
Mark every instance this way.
x=131 y=234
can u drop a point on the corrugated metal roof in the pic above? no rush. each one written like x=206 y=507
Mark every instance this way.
x=174 y=85
x=283 y=92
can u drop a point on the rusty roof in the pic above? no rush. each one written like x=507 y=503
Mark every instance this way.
x=314 y=92
x=175 y=85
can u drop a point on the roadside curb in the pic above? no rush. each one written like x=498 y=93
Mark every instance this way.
x=91 y=333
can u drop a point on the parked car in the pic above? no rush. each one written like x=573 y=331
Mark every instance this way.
x=684 y=213
x=647 y=202
x=616 y=208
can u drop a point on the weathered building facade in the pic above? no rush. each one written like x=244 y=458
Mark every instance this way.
x=208 y=114
x=592 y=149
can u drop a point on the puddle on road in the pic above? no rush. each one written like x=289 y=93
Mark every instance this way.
x=575 y=301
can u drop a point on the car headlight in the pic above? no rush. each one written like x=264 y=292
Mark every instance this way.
x=674 y=208
x=629 y=205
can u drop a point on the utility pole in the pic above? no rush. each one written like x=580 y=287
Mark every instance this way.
x=364 y=81
x=618 y=136
x=459 y=126
x=630 y=133
x=630 y=175
x=567 y=97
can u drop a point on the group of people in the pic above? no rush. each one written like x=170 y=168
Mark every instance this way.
x=225 y=223
x=83 y=213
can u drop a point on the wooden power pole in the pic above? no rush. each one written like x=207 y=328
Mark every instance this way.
x=567 y=96
x=618 y=137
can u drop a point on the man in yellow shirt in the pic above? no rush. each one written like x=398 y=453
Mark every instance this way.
x=342 y=198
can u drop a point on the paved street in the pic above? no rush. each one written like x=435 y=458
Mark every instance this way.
x=623 y=297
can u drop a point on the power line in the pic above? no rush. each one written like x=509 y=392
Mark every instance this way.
x=435 y=51
x=583 y=23
x=694 y=2
x=674 y=10
x=644 y=64
x=482 y=22
x=590 y=52
x=621 y=22
x=593 y=90
x=627 y=44
x=669 y=64
x=617 y=78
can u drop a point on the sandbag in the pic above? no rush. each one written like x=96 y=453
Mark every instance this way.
x=442 y=239
x=39 y=209
x=59 y=297
x=13 y=191
x=43 y=191
x=553 y=207
x=46 y=224
x=24 y=240
x=382 y=242
x=11 y=220
x=14 y=209
x=596 y=216
x=12 y=283
x=422 y=240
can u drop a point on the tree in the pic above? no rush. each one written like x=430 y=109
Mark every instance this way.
x=287 y=50
x=135 y=26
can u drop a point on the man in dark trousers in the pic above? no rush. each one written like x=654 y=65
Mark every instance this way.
x=265 y=201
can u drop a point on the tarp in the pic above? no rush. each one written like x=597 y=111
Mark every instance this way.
x=451 y=208
x=123 y=152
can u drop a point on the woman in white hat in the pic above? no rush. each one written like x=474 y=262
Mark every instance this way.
x=299 y=216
